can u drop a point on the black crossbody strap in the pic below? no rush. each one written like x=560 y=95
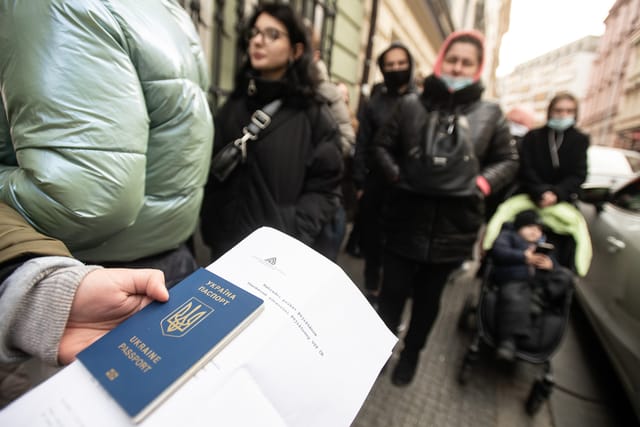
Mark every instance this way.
x=260 y=120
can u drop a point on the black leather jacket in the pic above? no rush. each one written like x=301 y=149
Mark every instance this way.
x=441 y=229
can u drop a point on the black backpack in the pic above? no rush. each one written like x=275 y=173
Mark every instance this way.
x=444 y=162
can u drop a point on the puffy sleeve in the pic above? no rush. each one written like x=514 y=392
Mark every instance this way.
x=501 y=161
x=74 y=164
x=320 y=196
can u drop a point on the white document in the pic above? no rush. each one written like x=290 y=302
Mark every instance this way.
x=309 y=359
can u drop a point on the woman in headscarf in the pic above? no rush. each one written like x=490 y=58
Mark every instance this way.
x=428 y=236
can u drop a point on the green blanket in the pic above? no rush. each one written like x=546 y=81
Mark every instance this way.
x=562 y=218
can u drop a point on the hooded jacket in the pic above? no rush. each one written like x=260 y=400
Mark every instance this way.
x=105 y=131
x=375 y=113
x=441 y=228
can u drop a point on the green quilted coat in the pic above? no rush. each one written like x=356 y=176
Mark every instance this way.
x=105 y=131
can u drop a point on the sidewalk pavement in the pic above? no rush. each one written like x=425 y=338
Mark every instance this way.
x=493 y=397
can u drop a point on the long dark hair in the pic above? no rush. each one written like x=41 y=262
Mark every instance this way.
x=299 y=77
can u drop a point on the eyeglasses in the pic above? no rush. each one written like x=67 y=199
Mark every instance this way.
x=269 y=34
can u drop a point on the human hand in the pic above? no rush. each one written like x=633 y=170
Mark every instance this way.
x=542 y=262
x=548 y=198
x=359 y=194
x=483 y=185
x=104 y=299
x=529 y=255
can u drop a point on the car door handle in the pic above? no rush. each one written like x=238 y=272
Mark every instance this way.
x=615 y=245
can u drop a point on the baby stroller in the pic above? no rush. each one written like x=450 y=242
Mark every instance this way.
x=548 y=323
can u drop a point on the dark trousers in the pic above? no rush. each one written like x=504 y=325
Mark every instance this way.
x=514 y=310
x=370 y=229
x=176 y=264
x=404 y=278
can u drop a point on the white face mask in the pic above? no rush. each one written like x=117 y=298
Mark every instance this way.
x=561 y=124
x=454 y=84
x=518 y=129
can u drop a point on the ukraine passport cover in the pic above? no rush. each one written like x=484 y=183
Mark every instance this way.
x=145 y=358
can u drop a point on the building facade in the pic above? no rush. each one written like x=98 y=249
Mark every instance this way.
x=610 y=112
x=220 y=24
x=421 y=25
x=627 y=124
x=531 y=85
x=354 y=33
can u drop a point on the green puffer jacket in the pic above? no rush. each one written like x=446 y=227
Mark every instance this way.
x=105 y=130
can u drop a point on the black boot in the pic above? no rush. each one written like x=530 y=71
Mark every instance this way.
x=406 y=368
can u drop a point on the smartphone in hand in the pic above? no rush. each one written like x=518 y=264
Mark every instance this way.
x=544 y=248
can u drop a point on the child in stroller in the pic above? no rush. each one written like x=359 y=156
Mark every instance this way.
x=550 y=297
x=528 y=277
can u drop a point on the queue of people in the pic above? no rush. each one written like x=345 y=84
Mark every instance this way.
x=105 y=156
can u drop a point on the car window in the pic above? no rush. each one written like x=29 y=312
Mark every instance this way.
x=628 y=197
x=608 y=161
x=634 y=162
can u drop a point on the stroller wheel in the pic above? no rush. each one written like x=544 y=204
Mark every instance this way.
x=467 y=319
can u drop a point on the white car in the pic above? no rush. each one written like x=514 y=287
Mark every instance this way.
x=609 y=166
x=610 y=292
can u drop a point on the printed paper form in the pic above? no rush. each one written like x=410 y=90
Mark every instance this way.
x=309 y=359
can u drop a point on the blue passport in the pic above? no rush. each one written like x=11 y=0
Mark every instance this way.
x=148 y=356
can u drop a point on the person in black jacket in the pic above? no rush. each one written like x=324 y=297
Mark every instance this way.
x=291 y=177
x=396 y=64
x=553 y=158
x=428 y=236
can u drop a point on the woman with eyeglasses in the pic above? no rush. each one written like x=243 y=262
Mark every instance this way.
x=290 y=179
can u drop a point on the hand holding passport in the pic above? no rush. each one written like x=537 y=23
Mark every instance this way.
x=143 y=360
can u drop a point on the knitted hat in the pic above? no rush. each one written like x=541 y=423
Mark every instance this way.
x=528 y=217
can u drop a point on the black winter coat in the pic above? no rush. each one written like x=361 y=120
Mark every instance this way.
x=377 y=110
x=441 y=229
x=374 y=114
x=537 y=173
x=291 y=180
x=507 y=254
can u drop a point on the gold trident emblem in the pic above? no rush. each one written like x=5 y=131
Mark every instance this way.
x=186 y=316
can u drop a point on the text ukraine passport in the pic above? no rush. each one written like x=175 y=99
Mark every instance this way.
x=145 y=358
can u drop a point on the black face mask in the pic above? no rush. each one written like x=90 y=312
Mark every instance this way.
x=395 y=79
